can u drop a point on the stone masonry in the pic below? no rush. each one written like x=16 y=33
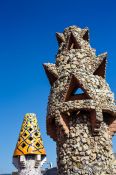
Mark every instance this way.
x=81 y=115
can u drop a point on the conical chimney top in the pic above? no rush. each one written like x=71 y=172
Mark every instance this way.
x=30 y=141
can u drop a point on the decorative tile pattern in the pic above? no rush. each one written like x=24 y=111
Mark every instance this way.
x=30 y=141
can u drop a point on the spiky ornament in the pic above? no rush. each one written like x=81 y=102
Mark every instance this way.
x=70 y=115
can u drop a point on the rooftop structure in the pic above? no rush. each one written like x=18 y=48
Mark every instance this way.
x=29 y=154
x=81 y=107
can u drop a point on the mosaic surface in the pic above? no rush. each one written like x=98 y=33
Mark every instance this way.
x=30 y=141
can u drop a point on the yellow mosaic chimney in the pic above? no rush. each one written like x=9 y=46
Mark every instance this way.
x=30 y=141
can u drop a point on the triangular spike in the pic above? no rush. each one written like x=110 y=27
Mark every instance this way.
x=60 y=37
x=101 y=69
x=51 y=72
x=73 y=86
x=103 y=55
x=72 y=42
x=30 y=141
x=85 y=34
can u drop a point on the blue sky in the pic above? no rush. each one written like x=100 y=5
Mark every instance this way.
x=27 y=39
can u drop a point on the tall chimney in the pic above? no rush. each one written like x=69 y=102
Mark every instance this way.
x=81 y=116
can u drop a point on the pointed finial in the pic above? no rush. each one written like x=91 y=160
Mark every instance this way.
x=85 y=34
x=51 y=72
x=30 y=141
x=60 y=37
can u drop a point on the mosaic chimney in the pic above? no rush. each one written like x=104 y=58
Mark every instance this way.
x=29 y=154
